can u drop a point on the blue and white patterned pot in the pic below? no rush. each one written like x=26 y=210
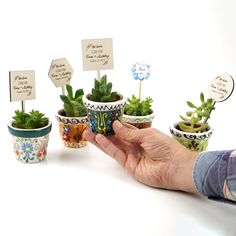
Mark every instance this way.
x=101 y=115
x=30 y=145
x=193 y=141
x=140 y=122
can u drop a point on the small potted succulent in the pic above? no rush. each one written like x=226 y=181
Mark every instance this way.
x=139 y=112
x=194 y=131
x=30 y=132
x=73 y=118
x=103 y=106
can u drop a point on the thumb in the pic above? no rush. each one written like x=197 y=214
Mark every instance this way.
x=127 y=133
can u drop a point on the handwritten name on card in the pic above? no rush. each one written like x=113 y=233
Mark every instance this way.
x=97 y=54
x=22 y=85
x=60 y=72
x=221 y=87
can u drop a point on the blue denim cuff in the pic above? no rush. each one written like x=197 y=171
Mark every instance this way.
x=201 y=168
x=210 y=173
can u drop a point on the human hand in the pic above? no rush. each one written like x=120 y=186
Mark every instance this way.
x=152 y=157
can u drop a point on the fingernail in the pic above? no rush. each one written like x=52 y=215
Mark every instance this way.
x=117 y=124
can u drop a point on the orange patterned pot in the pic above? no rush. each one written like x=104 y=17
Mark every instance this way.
x=72 y=129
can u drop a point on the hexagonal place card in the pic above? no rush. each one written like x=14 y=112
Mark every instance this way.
x=22 y=85
x=60 y=72
x=97 y=54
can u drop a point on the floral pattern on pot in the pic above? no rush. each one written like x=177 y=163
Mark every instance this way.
x=193 y=141
x=140 y=122
x=33 y=148
x=30 y=150
x=72 y=129
x=101 y=115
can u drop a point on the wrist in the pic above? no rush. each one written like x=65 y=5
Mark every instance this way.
x=184 y=171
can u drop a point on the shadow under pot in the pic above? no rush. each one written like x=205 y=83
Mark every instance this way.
x=30 y=145
x=192 y=141
x=101 y=115
x=140 y=122
x=71 y=129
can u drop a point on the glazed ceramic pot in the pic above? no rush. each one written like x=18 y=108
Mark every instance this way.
x=140 y=122
x=193 y=141
x=30 y=145
x=101 y=115
x=71 y=129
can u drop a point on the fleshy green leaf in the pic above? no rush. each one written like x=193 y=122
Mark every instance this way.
x=69 y=91
x=202 y=97
x=183 y=118
x=102 y=91
x=79 y=93
x=190 y=104
x=65 y=99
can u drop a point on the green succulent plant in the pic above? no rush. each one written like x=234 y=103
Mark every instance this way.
x=193 y=121
x=138 y=107
x=73 y=104
x=102 y=91
x=31 y=120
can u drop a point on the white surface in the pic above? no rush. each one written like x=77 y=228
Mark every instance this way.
x=84 y=192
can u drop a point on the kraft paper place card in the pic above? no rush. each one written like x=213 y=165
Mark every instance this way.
x=22 y=85
x=60 y=72
x=97 y=54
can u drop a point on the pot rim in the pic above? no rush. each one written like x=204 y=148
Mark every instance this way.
x=29 y=133
x=152 y=115
x=173 y=127
x=70 y=117
x=120 y=101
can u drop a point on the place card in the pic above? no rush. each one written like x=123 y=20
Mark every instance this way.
x=140 y=71
x=60 y=72
x=97 y=54
x=22 y=85
x=221 y=87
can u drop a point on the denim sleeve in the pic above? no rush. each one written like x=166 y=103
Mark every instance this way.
x=214 y=175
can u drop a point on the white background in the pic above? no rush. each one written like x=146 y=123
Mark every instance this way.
x=83 y=192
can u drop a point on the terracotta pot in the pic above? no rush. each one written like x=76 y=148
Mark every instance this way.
x=72 y=129
x=193 y=141
x=30 y=145
x=101 y=115
x=140 y=122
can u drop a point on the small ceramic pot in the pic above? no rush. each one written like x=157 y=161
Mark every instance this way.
x=101 y=115
x=193 y=141
x=72 y=129
x=30 y=145
x=140 y=122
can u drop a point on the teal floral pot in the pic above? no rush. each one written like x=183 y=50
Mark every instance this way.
x=140 y=122
x=101 y=115
x=192 y=141
x=30 y=145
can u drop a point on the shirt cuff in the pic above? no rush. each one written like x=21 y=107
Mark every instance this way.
x=210 y=174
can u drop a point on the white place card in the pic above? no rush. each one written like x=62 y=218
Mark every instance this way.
x=60 y=72
x=221 y=87
x=22 y=85
x=97 y=54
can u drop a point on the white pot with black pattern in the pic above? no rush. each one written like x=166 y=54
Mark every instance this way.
x=192 y=141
